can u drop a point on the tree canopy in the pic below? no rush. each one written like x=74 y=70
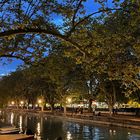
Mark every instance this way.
x=73 y=47
x=28 y=27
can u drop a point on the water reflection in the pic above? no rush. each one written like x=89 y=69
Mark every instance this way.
x=38 y=131
x=20 y=123
x=69 y=136
x=12 y=118
x=38 y=128
x=51 y=128
x=96 y=133
x=134 y=137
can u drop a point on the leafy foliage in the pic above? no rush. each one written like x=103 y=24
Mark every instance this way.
x=103 y=49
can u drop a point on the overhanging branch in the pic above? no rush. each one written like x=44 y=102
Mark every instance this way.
x=90 y=15
x=13 y=56
x=41 y=31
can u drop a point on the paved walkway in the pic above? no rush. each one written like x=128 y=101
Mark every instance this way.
x=117 y=116
x=86 y=114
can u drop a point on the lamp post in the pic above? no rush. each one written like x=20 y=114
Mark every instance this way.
x=12 y=103
x=69 y=100
x=22 y=103
x=40 y=102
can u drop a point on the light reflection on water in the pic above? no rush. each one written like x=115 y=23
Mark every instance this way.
x=46 y=128
x=69 y=136
x=20 y=123
x=12 y=118
x=38 y=129
x=38 y=133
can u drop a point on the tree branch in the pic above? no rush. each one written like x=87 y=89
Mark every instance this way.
x=74 y=16
x=29 y=4
x=41 y=31
x=136 y=84
x=12 y=56
x=3 y=3
x=90 y=15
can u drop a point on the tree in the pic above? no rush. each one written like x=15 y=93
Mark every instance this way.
x=12 y=86
x=31 y=26
x=111 y=48
x=106 y=47
x=58 y=78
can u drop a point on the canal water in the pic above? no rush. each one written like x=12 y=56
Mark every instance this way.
x=49 y=128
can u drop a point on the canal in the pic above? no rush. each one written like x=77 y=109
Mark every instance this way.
x=49 y=128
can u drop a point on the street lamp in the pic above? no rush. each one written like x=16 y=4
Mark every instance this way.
x=21 y=102
x=69 y=100
x=12 y=102
x=30 y=105
x=39 y=101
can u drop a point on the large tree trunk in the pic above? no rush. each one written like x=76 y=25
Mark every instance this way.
x=110 y=110
x=111 y=98
x=110 y=102
x=42 y=108
x=65 y=110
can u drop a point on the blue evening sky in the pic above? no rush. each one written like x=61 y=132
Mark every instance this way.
x=11 y=66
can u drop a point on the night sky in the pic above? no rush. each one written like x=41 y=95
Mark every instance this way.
x=11 y=66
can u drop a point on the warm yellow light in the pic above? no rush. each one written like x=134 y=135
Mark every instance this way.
x=39 y=101
x=69 y=100
x=12 y=102
x=30 y=105
x=21 y=102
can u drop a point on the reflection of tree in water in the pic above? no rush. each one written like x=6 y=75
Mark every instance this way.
x=53 y=128
x=74 y=130
x=81 y=131
x=21 y=123
x=87 y=132
x=72 y=127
